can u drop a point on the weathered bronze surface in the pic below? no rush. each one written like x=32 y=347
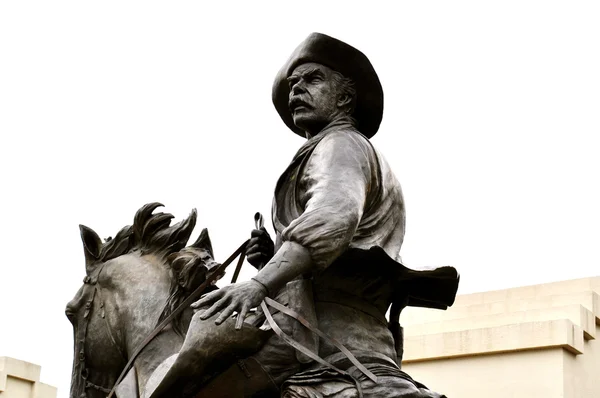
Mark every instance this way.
x=131 y=282
x=311 y=322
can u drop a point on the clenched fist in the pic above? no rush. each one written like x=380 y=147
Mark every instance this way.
x=260 y=249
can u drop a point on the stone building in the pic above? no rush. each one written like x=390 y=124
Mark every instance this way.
x=524 y=342
x=19 y=379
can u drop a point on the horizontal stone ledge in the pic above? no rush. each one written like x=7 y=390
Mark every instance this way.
x=494 y=340
x=529 y=292
x=20 y=369
x=590 y=300
x=576 y=313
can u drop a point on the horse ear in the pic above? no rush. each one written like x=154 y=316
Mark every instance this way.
x=203 y=242
x=91 y=244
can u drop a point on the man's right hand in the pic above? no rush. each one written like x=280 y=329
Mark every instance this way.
x=260 y=249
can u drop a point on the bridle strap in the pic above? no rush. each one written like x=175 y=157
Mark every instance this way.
x=108 y=328
x=91 y=283
x=241 y=251
x=96 y=387
x=82 y=333
x=84 y=372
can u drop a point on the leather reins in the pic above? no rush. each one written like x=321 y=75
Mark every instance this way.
x=241 y=251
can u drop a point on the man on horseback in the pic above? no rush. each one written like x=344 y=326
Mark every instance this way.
x=339 y=217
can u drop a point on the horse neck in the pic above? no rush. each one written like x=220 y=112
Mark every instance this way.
x=160 y=348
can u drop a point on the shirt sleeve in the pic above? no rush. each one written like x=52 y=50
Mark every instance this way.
x=332 y=190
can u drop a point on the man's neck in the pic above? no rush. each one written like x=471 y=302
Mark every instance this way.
x=338 y=121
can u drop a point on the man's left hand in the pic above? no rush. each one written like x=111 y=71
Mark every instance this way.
x=240 y=297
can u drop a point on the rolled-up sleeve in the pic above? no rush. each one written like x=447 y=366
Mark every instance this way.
x=332 y=189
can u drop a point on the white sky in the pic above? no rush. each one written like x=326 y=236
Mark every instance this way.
x=491 y=124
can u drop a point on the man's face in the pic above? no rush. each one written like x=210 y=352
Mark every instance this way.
x=313 y=97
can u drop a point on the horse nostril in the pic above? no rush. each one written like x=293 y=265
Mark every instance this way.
x=70 y=312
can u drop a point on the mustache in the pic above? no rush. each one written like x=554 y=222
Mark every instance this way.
x=295 y=102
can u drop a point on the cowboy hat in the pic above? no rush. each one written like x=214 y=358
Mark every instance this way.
x=342 y=58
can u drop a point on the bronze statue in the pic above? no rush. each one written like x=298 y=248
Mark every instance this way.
x=339 y=216
x=312 y=321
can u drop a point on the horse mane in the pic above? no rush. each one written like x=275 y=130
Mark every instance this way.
x=152 y=233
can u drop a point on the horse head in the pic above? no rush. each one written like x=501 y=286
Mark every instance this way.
x=132 y=282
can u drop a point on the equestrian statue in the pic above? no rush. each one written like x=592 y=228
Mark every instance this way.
x=150 y=322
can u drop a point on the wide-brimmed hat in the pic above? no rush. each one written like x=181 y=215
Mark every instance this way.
x=342 y=58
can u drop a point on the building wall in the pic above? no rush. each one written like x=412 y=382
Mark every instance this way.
x=582 y=372
x=20 y=379
x=518 y=374
x=532 y=341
